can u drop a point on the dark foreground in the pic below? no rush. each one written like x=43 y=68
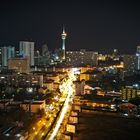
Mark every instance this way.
x=106 y=126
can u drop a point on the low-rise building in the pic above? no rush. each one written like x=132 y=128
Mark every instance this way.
x=49 y=84
x=94 y=75
x=33 y=106
x=79 y=87
x=21 y=80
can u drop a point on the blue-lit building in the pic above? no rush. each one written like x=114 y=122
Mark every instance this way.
x=138 y=58
x=26 y=49
x=7 y=53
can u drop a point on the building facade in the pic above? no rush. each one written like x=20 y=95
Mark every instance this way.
x=20 y=65
x=26 y=49
x=129 y=64
x=81 y=58
x=138 y=58
x=7 y=53
x=130 y=92
x=79 y=87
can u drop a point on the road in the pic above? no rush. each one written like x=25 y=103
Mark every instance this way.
x=67 y=89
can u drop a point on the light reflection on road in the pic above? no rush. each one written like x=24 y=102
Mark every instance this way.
x=66 y=88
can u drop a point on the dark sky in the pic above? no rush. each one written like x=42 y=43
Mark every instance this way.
x=98 y=25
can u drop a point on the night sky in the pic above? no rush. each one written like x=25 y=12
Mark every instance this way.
x=98 y=25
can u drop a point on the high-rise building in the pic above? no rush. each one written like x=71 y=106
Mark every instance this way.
x=45 y=50
x=63 y=36
x=82 y=58
x=45 y=55
x=129 y=64
x=138 y=58
x=7 y=53
x=26 y=49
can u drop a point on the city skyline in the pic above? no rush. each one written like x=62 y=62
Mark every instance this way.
x=67 y=66
x=98 y=26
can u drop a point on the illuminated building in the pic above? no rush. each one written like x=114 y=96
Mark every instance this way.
x=7 y=53
x=34 y=106
x=37 y=58
x=92 y=75
x=102 y=57
x=63 y=36
x=17 y=54
x=45 y=55
x=19 y=65
x=129 y=64
x=22 y=80
x=71 y=128
x=84 y=69
x=129 y=92
x=81 y=58
x=110 y=60
x=57 y=56
x=138 y=58
x=27 y=51
x=79 y=87
x=44 y=50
